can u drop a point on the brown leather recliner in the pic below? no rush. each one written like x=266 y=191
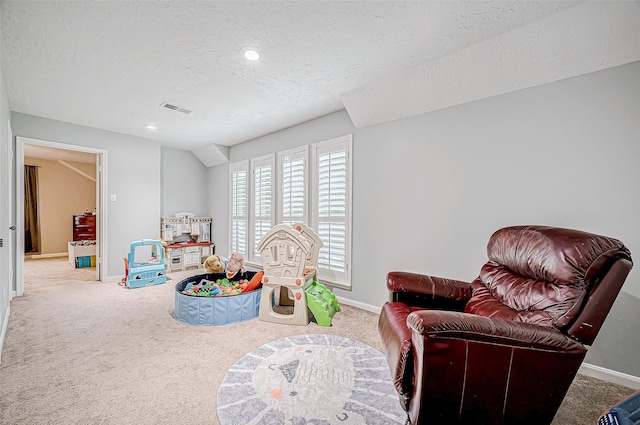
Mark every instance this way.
x=504 y=348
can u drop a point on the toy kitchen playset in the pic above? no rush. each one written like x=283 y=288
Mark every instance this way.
x=188 y=240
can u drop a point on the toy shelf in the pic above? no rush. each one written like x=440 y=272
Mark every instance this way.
x=82 y=254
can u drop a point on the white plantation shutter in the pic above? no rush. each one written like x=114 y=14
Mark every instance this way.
x=332 y=208
x=326 y=207
x=293 y=184
x=239 y=206
x=262 y=211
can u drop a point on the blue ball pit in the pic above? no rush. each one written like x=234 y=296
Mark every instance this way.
x=215 y=311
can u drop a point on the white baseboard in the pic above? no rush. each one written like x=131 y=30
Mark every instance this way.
x=111 y=279
x=52 y=255
x=586 y=368
x=3 y=332
x=358 y=304
x=610 y=375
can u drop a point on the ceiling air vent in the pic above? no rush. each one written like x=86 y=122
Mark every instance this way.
x=175 y=108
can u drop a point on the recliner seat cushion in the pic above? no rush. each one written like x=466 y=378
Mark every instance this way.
x=538 y=274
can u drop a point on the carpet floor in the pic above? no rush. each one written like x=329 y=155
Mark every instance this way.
x=79 y=351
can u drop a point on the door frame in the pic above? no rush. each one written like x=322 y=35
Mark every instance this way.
x=101 y=204
x=11 y=222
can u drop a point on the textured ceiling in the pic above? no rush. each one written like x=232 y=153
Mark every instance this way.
x=587 y=38
x=110 y=64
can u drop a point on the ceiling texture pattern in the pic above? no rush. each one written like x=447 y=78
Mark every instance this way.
x=111 y=64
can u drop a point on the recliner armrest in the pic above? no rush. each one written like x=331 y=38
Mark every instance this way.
x=467 y=326
x=428 y=291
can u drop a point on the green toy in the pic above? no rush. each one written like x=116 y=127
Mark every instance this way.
x=205 y=290
x=321 y=302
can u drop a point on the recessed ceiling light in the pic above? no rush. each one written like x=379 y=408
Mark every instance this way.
x=251 y=54
x=150 y=127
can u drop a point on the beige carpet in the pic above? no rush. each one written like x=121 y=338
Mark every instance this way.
x=84 y=352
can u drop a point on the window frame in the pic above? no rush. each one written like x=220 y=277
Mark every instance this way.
x=336 y=279
x=253 y=257
x=233 y=168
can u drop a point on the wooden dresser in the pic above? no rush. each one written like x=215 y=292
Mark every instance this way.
x=84 y=227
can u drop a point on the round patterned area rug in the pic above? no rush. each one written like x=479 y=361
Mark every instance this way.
x=310 y=380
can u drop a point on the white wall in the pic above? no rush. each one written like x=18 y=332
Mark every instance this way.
x=184 y=183
x=133 y=175
x=218 y=182
x=430 y=190
x=563 y=154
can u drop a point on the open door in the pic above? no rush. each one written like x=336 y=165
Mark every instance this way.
x=100 y=161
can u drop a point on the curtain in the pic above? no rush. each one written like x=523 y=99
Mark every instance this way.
x=31 y=228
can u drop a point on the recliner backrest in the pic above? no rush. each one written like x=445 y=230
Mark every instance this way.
x=548 y=276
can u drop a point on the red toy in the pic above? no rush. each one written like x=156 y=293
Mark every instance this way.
x=254 y=282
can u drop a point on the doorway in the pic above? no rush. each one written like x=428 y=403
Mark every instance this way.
x=76 y=161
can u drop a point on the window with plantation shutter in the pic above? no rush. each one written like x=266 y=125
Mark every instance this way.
x=238 y=177
x=263 y=170
x=292 y=193
x=331 y=212
x=305 y=187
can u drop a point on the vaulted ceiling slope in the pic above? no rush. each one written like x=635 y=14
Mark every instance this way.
x=112 y=64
